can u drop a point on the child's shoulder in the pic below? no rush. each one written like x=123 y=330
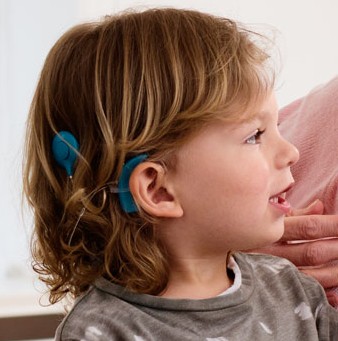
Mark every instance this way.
x=279 y=272
x=92 y=313
x=263 y=260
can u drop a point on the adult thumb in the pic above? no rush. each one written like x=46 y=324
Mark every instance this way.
x=316 y=207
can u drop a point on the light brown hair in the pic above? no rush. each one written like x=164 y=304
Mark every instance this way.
x=128 y=84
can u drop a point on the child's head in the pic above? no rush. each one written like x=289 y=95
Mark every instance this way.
x=130 y=84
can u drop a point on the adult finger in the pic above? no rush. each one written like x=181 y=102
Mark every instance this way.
x=310 y=227
x=305 y=254
x=316 y=207
x=327 y=276
x=332 y=297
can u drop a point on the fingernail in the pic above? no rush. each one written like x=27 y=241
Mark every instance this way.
x=314 y=203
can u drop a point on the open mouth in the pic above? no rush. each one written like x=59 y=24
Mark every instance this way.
x=279 y=201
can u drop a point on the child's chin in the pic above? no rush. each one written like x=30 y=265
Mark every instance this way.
x=271 y=239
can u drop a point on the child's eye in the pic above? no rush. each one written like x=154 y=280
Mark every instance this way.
x=255 y=138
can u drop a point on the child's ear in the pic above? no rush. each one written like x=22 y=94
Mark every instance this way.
x=150 y=189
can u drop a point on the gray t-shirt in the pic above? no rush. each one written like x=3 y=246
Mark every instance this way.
x=273 y=301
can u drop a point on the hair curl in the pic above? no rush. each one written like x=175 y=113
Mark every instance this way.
x=128 y=84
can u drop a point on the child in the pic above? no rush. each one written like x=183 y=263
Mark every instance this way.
x=153 y=156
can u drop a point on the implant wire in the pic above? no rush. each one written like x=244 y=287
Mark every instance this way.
x=112 y=189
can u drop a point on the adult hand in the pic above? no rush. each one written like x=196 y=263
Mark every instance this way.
x=310 y=241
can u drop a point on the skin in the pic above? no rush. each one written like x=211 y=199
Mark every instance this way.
x=229 y=171
x=314 y=256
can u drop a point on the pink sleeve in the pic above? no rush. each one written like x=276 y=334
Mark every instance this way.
x=311 y=124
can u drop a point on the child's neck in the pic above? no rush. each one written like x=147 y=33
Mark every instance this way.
x=197 y=279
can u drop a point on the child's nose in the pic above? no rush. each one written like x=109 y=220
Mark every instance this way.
x=289 y=154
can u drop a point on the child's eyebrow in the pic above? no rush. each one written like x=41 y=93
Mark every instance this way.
x=256 y=116
x=262 y=115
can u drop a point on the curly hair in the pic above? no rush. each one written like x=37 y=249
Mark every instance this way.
x=131 y=83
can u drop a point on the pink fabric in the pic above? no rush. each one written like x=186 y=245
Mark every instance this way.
x=311 y=124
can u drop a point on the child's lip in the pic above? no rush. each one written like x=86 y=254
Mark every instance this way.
x=279 y=202
x=282 y=193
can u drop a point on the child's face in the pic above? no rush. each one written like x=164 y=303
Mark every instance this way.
x=227 y=178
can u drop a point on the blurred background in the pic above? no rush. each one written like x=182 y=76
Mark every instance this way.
x=306 y=33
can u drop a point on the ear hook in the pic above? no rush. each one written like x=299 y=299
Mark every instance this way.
x=126 y=199
x=64 y=147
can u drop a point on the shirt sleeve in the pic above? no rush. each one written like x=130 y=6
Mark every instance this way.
x=325 y=315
